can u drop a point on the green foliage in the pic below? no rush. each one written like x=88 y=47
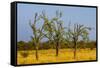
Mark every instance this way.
x=25 y=46
x=78 y=31
x=46 y=45
x=20 y=45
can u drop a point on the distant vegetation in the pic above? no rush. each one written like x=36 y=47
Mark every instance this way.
x=46 y=45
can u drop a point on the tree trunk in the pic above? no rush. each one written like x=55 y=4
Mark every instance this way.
x=36 y=51
x=57 y=49
x=75 y=47
x=36 y=54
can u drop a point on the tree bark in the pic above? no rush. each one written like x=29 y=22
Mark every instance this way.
x=75 y=47
x=57 y=49
x=36 y=52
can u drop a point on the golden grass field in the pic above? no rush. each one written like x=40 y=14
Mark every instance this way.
x=48 y=56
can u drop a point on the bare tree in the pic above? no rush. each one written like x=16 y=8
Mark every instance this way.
x=75 y=32
x=54 y=29
x=37 y=34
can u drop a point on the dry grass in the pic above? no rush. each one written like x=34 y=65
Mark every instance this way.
x=48 y=56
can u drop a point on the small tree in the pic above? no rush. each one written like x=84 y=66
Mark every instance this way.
x=54 y=29
x=37 y=34
x=58 y=30
x=77 y=32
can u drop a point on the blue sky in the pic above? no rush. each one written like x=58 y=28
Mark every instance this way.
x=81 y=15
